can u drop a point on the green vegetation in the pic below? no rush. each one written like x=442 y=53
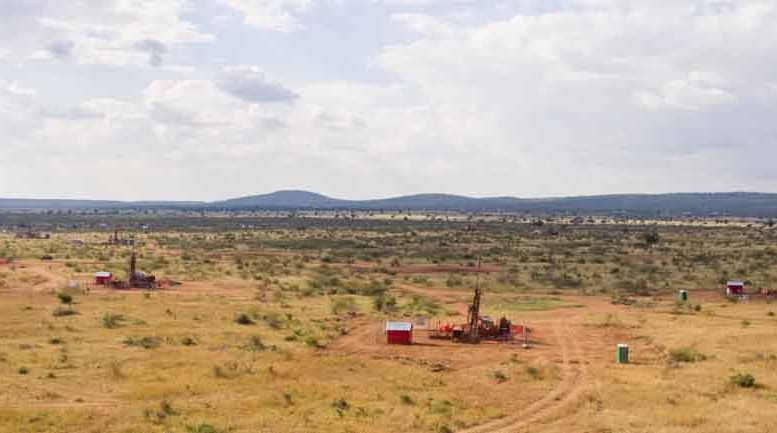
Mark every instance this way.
x=686 y=354
x=277 y=324
x=743 y=380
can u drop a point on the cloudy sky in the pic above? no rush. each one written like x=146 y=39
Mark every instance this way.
x=209 y=99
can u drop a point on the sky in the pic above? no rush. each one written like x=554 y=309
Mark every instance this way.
x=213 y=99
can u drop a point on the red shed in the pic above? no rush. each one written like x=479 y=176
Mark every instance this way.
x=399 y=333
x=103 y=278
x=735 y=288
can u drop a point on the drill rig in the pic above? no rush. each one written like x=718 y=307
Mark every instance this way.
x=478 y=327
x=135 y=278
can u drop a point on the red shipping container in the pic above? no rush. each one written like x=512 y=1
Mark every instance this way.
x=399 y=333
x=102 y=277
x=735 y=288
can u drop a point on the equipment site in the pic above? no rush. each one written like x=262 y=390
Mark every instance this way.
x=425 y=323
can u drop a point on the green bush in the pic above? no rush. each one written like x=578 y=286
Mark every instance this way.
x=743 y=380
x=244 y=319
x=312 y=341
x=65 y=298
x=686 y=354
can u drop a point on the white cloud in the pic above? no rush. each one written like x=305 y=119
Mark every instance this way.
x=587 y=96
x=14 y=89
x=114 y=32
x=277 y=15
x=425 y=25
x=685 y=95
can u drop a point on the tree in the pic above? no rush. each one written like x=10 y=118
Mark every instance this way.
x=651 y=237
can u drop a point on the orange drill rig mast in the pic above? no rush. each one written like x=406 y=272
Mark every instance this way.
x=473 y=318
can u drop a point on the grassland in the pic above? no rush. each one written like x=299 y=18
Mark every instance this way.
x=274 y=327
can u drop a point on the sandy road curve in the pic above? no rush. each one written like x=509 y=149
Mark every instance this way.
x=574 y=377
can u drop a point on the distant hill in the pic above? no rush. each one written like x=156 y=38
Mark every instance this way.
x=647 y=205
x=310 y=200
x=289 y=199
x=676 y=204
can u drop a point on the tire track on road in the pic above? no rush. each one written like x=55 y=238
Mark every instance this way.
x=574 y=377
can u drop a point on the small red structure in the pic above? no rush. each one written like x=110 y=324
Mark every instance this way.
x=399 y=333
x=735 y=288
x=103 y=278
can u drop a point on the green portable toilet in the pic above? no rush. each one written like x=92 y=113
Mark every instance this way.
x=683 y=296
x=623 y=354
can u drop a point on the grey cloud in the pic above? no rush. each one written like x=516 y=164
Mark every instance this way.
x=250 y=84
x=62 y=50
x=155 y=50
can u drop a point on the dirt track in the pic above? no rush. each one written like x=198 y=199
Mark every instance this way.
x=574 y=379
x=560 y=336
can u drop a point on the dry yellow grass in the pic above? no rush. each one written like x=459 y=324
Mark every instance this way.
x=209 y=374
x=81 y=376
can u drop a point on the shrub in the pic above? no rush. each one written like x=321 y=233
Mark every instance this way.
x=454 y=281
x=202 y=428
x=341 y=404
x=188 y=341
x=55 y=340
x=255 y=344
x=65 y=298
x=60 y=312
x=533 y=372
x=157 y=416
x=244 y=319
x=406 y=399
x=384 y=302
x=743 y=380
x=686 y=354
x=273 y=320
x=219 y=372
x=312 y=341
x=500 y=376
x=23 y=370
x=111 y=320
x=147 y=342
x=651 y=237
x=343 y=305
